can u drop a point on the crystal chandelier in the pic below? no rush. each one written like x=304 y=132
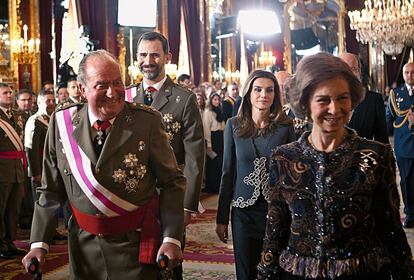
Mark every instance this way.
x=25 y=51
x=389 y=23
x=267 y=59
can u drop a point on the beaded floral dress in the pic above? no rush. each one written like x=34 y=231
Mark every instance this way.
x=332 y=214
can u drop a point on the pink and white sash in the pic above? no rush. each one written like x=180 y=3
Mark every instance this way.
x=81 y=167
x=131 y=93
x=12 y=134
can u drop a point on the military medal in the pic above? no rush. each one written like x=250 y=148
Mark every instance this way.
x=99 y=137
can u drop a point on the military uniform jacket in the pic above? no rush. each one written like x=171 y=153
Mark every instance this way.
x=137 y=132
x=398 y=107
x=183 y=123
x=35 y=135
x=11 y=170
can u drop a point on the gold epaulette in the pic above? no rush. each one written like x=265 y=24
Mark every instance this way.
x=132 y=86
x=141 y=106
x=66 y=104
x=398 y=112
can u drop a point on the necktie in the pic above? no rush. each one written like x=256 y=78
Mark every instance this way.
x=148 y=95
x=99 y=140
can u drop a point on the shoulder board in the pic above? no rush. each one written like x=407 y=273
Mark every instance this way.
x=66 y=104
x=140 y=106
x=132 y=86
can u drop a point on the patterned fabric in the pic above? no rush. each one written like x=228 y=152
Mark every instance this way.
x=332 y=214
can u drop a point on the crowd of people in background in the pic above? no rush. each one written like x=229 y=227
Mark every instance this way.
x=301 y=163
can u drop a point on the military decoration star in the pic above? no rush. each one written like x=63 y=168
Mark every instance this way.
x=141 y=146
x=119 y=176
x=171 y=125
x=130 y=160
x=131 y=174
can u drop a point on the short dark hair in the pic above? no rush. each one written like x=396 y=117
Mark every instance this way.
x=183 y=77
x=153 y=36
x=81 y=78
x=47 y=83
x=71 y=79
x=317 y=68
x=23 y=91
x=244 y=117
x=3 y=85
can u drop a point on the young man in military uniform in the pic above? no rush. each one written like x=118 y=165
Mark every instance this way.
x=181 y=117
x=35 y=135
x=12 y=161
x=105 y=157
x=400 y=118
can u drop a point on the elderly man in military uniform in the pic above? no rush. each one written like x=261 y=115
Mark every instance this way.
x=400 y=118
x=181 y=117
x=105 y=157
x=12 y=161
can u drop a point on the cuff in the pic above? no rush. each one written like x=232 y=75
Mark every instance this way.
x=41 y=245
x=172 y=240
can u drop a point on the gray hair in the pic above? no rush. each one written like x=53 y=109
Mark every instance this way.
x=81 y=78
x=315 y=69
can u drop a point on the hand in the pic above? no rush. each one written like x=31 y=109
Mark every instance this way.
x=187 y=218
x=173 y=252
x=38 y=253
x=37 y=179
x=410 y=120
x=222 y=232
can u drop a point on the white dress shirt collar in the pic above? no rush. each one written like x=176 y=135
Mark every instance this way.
x=157 y=86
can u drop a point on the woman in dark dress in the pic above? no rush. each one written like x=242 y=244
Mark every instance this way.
x=260 y=126
x=213 y=122
x=334 y=210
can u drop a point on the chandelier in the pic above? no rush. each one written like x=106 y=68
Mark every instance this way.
x=25 y=51
x=267 y=59
x=388 y=23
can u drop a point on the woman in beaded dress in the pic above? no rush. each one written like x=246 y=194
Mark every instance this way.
x=260 y=126
x=334 y=210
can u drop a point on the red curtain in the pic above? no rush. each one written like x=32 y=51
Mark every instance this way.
x=174 y=18
x=100 y=16
x=45 y=22
x=192 y=24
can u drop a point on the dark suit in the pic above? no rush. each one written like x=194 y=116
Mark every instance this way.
x=400 y=103
x=188 y=141
x=137 y=130
x=227 y=107
x=11 y=183
x=368 y=118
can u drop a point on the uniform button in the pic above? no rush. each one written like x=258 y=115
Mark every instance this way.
x=65 y=171
x=97 y=170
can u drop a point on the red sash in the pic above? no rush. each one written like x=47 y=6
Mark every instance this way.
x=144 y=218
x=14 y=155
